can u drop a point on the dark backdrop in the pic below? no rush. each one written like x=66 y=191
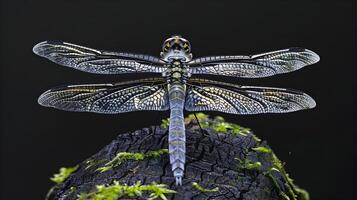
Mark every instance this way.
x=318 y=145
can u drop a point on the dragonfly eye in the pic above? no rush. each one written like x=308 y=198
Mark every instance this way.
x=166 y=46
x=186 y=47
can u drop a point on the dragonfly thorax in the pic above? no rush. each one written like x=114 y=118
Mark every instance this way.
x=177 y=72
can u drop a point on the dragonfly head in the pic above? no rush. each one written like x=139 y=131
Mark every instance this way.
x=176 y=48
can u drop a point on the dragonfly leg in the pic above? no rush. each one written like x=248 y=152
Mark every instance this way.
x=198 y=122
x=157 y=117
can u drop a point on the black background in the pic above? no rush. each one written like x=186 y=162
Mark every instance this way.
x=318 y=145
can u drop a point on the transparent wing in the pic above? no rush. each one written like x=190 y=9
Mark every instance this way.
x=146 y=94
x=96 y=61
x=206 y=95
x=255 y=66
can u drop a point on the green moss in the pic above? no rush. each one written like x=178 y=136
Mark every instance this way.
x=71 y=191
x=200 y=116
x=276 y=186
x=116 y=191
x=249 y=165
x=256 y=138
x=203 y=119
x=157 y=191
x=156 y=154
x=284 y=196
x=93 y=163
x=202 y=189
x=276 y=163
x=262 y=150
x=218 y=124
x=239 y=130
x=294 y=192
x=63 y=174
x=225 y=127
x=221 y=127
x=125 y=156
x=219 y=118
x=83 y=196
x=165 y=123
x=302 y=194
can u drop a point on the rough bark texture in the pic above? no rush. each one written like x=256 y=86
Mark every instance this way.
x=213 y=160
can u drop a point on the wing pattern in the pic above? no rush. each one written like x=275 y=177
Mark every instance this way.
x=256 y=66
x=96 y=61
x=206 y=95
x=146 y=94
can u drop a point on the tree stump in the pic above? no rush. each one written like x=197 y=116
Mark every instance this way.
x=221 y=163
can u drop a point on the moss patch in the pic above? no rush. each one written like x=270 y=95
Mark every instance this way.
x=117 y=190
x=202 y=189
x=63 y=174
x=275 y=171
x=262 y=149
x=247 y=164
x=218 y=124
x=93 y=163
x=165 y=123
x=295 y=193
x=125 y=156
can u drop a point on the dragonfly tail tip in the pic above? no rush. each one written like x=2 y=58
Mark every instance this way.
x=178 y=180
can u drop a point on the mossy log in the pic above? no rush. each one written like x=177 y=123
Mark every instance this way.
x=220 y=164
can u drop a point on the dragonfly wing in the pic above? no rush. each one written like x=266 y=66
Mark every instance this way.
x=97 y=61
x=147 y=94
x=255 y=66
x=206 y=95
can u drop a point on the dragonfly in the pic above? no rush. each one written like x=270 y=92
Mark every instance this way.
x=178 y=85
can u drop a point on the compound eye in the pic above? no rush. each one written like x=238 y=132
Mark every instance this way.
x=186 y=46
x=167 y=46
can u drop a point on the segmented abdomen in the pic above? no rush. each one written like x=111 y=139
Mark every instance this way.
x=177 y=138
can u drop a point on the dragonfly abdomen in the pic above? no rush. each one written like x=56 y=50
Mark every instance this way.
x=177 y=138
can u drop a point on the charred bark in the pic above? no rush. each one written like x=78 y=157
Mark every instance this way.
x=241 y=166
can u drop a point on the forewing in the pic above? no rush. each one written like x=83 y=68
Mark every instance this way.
x=97 y=61
x=138 y=95
x=205 y=95
x=255 y=66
